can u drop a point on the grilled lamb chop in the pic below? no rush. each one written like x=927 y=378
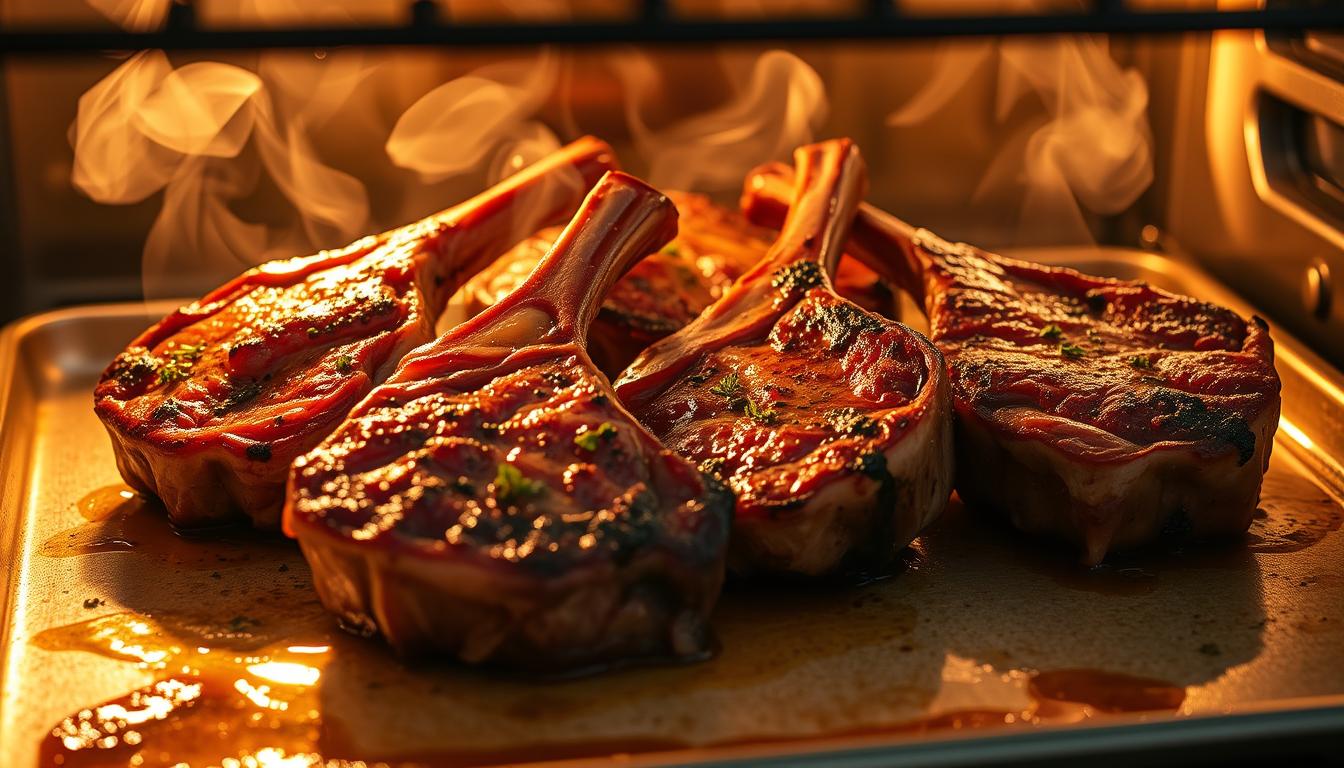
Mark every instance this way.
x=493 y=501
x=1106 y=412
x=207 y=408
x=668 y=289
x=831 y=423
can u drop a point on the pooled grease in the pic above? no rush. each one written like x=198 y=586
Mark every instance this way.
x=221 y=691
x=120 y=520
x=282 y=684
x=225 y=693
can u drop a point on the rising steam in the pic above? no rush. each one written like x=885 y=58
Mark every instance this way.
x=452 y=127
x=780 y=106
x=212 y=136
x=1090 y=153
x=186 y=131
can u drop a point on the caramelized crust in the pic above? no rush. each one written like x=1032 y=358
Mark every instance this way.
x=580 y=498
x=1140 y=365
x=1105 y=412
x=830 y=422
x=207 y=408
x=493 y=502
x=775 y=417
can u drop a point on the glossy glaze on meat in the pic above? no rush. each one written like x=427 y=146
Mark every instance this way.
x=493 y=502
x=1103 y=411
x=207 y=408
x=668 y=289
x=830 y=422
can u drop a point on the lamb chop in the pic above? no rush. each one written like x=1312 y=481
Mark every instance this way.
x=1106 y=412
x=494 y=502
x=668 y=289
x=831 y=423
x=208 y=407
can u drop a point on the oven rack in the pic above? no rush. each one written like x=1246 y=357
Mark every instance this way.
x=656 y=22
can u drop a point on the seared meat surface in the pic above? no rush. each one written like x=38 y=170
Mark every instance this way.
x=207 y=408
x=830 y=422
x=1106 y=412
x=492 y=501
x=668 y=289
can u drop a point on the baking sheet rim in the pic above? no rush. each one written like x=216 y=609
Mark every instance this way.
x=1323 y=714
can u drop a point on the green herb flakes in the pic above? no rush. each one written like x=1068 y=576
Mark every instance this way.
x=727 y=386
x=1052 y=332
x=181 y=359
x=589 y=439
x=763 y=414
x=1141 y=362
x=345 y=364
x=511 y=485
x=1071 y=351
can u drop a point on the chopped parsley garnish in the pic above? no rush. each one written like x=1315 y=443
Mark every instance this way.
x=588 y=440
x=700 y=376
x=1071 y=351
x=763 y=414
x=172 y=371
x=1142 y=362
x=727 y=386
x=345 y=364
x=1052 y=331
x=672 y=250
x=187 y=351
x=510 y=485
x=181 y=358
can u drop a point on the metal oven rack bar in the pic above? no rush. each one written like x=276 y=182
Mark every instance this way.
x=655 y=22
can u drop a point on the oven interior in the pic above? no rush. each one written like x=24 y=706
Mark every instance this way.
x=1207 y=131
x=151 y=149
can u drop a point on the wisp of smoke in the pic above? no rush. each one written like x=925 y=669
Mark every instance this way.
x=781 y=104
x=1092 y=149
x=207 y=134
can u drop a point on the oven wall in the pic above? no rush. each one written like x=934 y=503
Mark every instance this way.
x=72 y=249
x=951 y=170
x=1252 y=190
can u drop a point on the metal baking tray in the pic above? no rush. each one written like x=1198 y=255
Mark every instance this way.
x=985 y=648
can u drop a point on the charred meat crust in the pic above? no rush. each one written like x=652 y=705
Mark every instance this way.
x=207 y=407
x=649 y=601
x=830 y=423
x=1082 y=402
x=493 y=501
x=453 y=496
x=1129 y=360
x=215 y=445
x=1153 y=408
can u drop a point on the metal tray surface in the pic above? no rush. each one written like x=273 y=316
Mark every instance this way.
x=986 y=647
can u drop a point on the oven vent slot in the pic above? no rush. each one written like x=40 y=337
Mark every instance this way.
x=1304 y=158
x=1320 y=50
